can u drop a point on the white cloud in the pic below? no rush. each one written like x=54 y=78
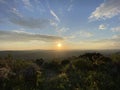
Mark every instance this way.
x=116 y=29
x=63 y=29
x=53 y=23
x=109 y=43
x=20 y=31
x=108 y=9
x=116 y=37
x=16 y=12
x=70 y=7
x=102 y=27
x=70 y=37
x=27 y=4
x=85 y=34
x=80 y=34
x=54 y=15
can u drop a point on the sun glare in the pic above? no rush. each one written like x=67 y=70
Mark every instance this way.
x=59 y=45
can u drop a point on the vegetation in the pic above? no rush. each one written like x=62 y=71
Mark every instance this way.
x=91 y=71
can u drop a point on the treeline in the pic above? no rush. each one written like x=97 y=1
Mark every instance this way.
x=91 y=71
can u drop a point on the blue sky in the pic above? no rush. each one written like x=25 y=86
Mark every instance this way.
x=76 y=24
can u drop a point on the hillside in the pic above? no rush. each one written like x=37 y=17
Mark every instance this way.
x=90 y=71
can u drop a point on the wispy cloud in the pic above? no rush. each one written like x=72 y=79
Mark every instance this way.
x=70 y=7
x=2 y=1
x=116 y=37
x=80 y=34
x=102 y=27
x=52 y=12
x=39 y=6
x=85 y=34
x=63 y=29
x=108 y=9
x=35 y=23
x=116 y=29
x=16 y=12
x=27 y=4
x=16 y=36
x=108 y=43
x=11 y=12
x=54 y=15
x=70 y=37
x=53 y=23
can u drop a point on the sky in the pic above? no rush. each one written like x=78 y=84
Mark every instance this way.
x=72 y=24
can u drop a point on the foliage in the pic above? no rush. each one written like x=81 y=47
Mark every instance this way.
x=91 y=71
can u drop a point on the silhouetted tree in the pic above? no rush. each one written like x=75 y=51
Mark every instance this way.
x=65 y=62
x=39 y=62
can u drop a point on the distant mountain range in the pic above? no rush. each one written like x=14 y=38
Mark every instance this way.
x=50 y=54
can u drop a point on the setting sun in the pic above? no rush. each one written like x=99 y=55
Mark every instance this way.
x=59 y=45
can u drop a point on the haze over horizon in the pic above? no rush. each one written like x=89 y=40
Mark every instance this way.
x=59 y=24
